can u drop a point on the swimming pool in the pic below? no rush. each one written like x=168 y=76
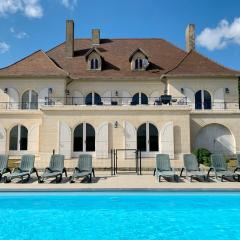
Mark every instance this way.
x=120 y=215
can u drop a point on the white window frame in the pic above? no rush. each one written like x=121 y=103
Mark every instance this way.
x=18 y=151
x=29 y=99
x=76 y=154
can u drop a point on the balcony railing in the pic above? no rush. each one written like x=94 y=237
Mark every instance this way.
x=119 y=101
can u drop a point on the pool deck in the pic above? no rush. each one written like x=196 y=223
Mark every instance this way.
x=128 y=182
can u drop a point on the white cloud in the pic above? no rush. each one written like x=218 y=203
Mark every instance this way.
x=4 y=47
x=19 y=35
x=30 y=8
x=71 y=4
x=224 y=34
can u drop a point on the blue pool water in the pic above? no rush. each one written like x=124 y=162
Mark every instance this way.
x=120 y=216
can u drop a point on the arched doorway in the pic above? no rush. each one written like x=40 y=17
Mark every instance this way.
x=216 y=138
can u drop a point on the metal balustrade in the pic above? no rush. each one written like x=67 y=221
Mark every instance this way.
x=119 y=101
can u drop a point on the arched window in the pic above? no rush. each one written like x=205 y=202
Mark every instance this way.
x=94 y=64
x=147 y=138
x=138 y=63
x=203 y=100
x=139 y=98
x=84 y=138
x=93 y=99
x=18 y=138
x=30 y=100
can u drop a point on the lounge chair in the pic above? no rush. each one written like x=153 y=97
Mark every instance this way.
x=219 y=166
x=55 y=170
x=237 y=169
x=25 y=169
x=191 y=167
x=163 y=167
x=4 y=165
x=84 y=168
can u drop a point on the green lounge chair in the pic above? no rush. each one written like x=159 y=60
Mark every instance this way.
x=191 y=167
x=219 y=166
x=163 y=167
x=4 y=165
x=55 y=170
x=84 y=168
x=25 y=169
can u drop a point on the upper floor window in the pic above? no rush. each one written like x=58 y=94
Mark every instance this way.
x=93 y=99
x=203 y=100
x=139 y=98
x=30 y=100
x=139 y=63
x=94 y=64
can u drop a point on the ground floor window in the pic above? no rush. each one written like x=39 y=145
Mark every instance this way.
x=147 y=138
x=18 y=138
x=84 y=138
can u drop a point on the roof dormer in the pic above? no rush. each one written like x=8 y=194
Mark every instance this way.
x=139 y=60
x=94 y=60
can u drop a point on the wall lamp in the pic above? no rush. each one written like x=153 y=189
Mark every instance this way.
x=116 y=124
x=227 y=90
x=5 y=90
x=50 y=91
x=182 y=90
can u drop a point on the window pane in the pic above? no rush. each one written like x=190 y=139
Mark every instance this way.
x=25 y=100
x=97 y=99
x=78 y=139
x=144 y=99
x=90 y=138
x=23 y=138
x=207 y=100
x=88 y=99
x=140 y=63
x=141 y=138
x=96 y=64
x=198 y=100
x=135 y=99
x=34 y=100
x=153 y=138
x=13 y=138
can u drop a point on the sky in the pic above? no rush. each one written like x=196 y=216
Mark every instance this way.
x=29 y=25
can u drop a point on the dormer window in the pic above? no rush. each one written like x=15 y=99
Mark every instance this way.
x=94 y=64
x=94 y=59
x=139 y=60
x=138 y=63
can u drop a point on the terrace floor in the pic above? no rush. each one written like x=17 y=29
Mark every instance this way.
x=126 y=181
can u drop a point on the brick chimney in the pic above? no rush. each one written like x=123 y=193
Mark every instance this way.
x=190 y=37
x=69 y=45
x=95 y=36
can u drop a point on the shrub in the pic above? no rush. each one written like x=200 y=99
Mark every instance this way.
x=203 y=156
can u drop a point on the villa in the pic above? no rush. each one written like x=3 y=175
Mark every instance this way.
x=94 y=95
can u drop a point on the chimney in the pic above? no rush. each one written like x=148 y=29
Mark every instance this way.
x=190 y=37
x=69 y=45
x=95 y=36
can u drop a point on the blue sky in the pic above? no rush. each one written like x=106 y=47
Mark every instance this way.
x=29 y=25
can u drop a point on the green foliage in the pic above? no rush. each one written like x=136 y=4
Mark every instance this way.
x=203 y=156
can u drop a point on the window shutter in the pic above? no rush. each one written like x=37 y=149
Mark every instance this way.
x=167 y=139
x=130 y=139
x=107 y=98
x=65 y=140
x=102 y=149
x=3 y=139
x=33 y=139
x=43 y=95
x=219 y=99
x=126 y=98
x=13 y=98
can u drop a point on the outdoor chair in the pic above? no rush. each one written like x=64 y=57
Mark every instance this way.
x=163 y=167
x=191 y=168
x=25 y=169
x=219 y=166
x=4 y=165
x=55 y=170
x=237 y=169
x=84 y=168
